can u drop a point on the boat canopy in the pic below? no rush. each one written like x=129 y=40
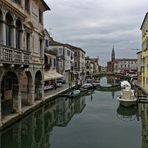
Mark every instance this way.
x=125 y=84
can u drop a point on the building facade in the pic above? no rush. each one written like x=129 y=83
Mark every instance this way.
x=79 y=62
x=92 y=66
x=65 y=59
x=123 y=65
x=144 y=54
x=21 y=54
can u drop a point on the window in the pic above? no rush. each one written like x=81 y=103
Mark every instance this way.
x=41 y=47
x=68 y=53
x=60 y=51
x=75 y=64
x=18 y=34
x=17 y=1
x=46 y=43
x=9 y=29
x=75 y=54
x=40 y=16
x=28 y=41
x=27 y=8
x=54 y=62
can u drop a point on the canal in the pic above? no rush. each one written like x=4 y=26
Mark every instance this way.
x=95 y=120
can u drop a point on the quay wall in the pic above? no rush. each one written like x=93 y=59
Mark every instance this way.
x=11 y=119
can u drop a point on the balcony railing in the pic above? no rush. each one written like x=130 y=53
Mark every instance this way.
x=10 y=55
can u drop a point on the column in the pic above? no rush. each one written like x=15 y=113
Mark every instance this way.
x=14 y=36
x=17 y=103
x=4 y=31
x=41 y=90
x=31 y=94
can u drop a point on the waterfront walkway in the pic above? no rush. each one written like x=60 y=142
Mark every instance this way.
x=11 y=118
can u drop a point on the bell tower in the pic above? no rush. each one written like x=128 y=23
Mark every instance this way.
x=113 y=55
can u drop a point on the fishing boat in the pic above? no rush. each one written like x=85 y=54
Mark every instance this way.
x=127 y=97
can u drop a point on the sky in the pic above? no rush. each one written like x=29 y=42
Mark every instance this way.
x=98 y=25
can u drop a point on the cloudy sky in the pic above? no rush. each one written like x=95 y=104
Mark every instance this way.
x=97 y=25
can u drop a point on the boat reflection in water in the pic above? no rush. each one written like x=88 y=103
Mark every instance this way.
x=34 y=130
x=127 y=113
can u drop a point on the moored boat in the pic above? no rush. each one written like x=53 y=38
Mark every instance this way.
x=127 y=97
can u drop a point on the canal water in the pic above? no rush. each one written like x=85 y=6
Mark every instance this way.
x=92 y=121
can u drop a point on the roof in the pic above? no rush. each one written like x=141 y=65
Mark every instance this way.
x=74 y=47
x=55 y=43
x=139 y=52
x=45 y=5
x=144 y=20
x=126 y=59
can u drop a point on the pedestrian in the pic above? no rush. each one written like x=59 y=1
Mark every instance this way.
x=55 y=85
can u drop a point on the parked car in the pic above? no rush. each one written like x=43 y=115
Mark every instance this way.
x=61 y=81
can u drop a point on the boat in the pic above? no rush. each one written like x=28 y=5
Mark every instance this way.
x=75 y=93
x=72 y=94
x=127 y=97
x=87 y=86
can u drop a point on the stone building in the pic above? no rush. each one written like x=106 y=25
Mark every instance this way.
x=65 y=59
x=121 y=65
x=92 y=66
x=21 y=54
x=79 y=62
x=144 y=54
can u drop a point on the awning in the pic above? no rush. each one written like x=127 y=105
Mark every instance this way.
x=51 y=75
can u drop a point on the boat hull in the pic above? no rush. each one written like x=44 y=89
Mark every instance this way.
x=127 y=102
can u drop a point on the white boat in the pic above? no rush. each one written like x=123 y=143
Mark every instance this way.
x=127 y=96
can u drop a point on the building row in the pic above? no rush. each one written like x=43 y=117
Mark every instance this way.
x=122 y=65
x=30 y=60
x=143 y=56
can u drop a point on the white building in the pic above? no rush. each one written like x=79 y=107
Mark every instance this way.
x=122 y=65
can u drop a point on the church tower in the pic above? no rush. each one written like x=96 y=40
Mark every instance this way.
x=113 y=55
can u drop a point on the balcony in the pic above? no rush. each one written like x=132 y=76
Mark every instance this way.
x=10 y=55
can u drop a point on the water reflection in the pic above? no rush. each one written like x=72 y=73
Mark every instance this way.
x=34 y=130
x=143 y=113
x=127 y=113
x=136 y=113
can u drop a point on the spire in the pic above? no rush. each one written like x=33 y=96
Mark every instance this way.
x=113 y=54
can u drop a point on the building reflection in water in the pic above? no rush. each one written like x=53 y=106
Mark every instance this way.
x=34 y=130
x=143 y=113
x=133 y=113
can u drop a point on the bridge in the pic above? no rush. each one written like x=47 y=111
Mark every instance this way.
x=117 y=75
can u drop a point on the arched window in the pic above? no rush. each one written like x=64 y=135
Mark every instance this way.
x=18 y=33
x=9 y=31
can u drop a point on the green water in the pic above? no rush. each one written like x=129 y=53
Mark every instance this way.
x=92 y=121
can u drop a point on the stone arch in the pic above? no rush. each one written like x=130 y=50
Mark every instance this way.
x=27 y=88
x=9 y=29
x=10 y=92
x=38 y=85
x=18 y=33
